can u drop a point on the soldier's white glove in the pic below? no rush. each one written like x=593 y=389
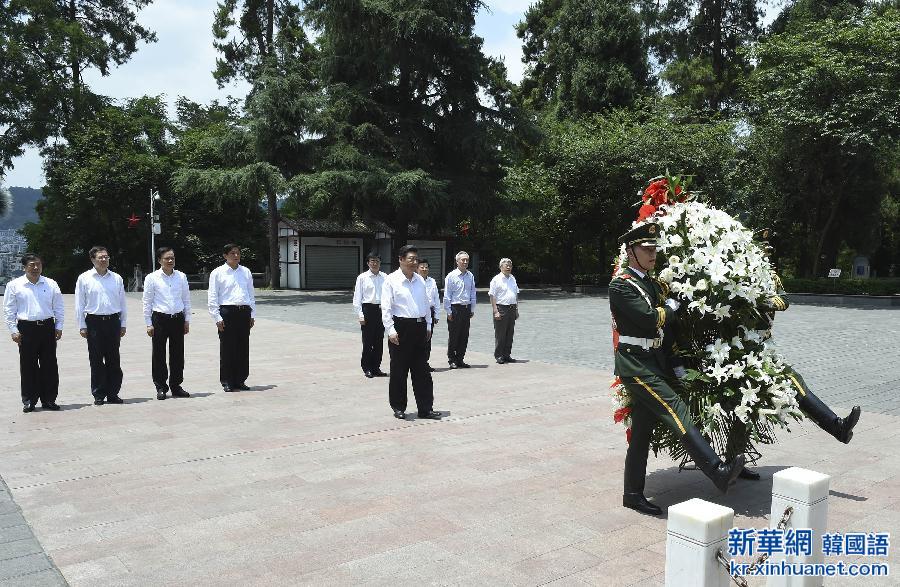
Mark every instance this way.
x=673 y=303
x=680 y=372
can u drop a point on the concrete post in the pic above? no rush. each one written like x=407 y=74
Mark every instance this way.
x=695 y=531
x=807 y=492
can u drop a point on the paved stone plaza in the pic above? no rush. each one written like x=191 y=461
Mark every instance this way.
x=309 y=480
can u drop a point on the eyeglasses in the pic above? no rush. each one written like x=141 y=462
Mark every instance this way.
x=104 y=258
x=412 y=260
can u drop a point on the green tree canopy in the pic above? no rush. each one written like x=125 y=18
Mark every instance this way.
x=45 y=48
x=582 y=56
x=413 y=117
x=824 y=105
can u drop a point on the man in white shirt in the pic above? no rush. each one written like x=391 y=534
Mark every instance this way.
x=406 y=316
x=101 y=312
x=167 y=314
x=459 y=303
x=33 y=306
x=504 y=293
x=232 y=306
x=367 y=306
x=434 y=300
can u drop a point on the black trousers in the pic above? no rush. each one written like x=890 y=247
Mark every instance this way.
x=169 y=329
x=504 y=329
x=428 y=344
x=642 y=423
x=37 y=362
x=408 y=357
x=104 y=337
x=459 y=333
x=372 y=338
x=234 y=345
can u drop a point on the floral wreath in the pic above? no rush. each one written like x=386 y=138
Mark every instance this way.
x=738 y=387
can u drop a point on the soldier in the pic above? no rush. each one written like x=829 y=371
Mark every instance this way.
x=640 y=316
x=814 y=408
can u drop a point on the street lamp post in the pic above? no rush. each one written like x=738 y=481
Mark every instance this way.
x=155 y=228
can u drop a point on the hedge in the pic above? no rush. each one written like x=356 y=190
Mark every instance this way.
x=865 y=287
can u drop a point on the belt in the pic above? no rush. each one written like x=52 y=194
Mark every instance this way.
x=163 y=314
x=103 y=316
x=40 y=322
x=644 y=343
x=402 y=319
x=507 y=305
x=466 y=305
x=238 y=306
x=376 y=304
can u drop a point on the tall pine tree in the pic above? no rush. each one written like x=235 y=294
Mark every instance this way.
x=414 y=115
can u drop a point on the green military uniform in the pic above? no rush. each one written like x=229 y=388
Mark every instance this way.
x=642 y=363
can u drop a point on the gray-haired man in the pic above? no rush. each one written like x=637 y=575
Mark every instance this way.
x=504 y=292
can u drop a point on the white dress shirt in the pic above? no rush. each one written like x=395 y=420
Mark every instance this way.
x=230 y=287
x=367 y=290
x=504 y=290
x=24 y=300
x=404 y=298
x=166 y=294
x=459 y=288
x=99 y=294
x=434 y=296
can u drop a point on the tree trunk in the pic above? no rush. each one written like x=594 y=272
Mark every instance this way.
x=270 y=27
x=274 y=260
x=74 y=66
x=717 y=57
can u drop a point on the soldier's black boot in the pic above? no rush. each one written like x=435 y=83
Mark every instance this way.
x=840 y=428
x=636 y=467
x=706 y=459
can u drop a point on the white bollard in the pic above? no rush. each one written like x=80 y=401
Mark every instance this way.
x=695 y=531
x=807 y=492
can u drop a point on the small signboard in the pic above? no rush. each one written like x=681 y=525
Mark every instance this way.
x=834 y=273
x=157 y=229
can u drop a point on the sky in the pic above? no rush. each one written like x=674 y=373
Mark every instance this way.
x=181 y=61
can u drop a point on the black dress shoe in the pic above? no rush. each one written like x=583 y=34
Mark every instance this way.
x=242 y=387
x=52 y=406
x=464 y=365
x=27 y=408
x=501 y=360
x=368 y=374
x=638 y=502
x=161 y=394
x=227 y=388
x=748 y=474
x=380 y=373
x=432 y=415
x=511 y=360
x=179 y=392
x=399 y=415
x=115 y=400
x=453 y=366
x=99 y=402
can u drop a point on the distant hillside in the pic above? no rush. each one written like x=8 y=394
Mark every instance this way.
x=24 y=200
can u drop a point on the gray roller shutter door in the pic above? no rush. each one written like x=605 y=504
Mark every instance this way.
x=435 y=264
x=332 y=267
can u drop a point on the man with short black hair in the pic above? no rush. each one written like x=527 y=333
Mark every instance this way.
x=33 y=306
x=406 y=316
x=232 y=306
x=101 y=312
x=459 y=303
x=167 y=313
x=367 y=305
x=434 y=300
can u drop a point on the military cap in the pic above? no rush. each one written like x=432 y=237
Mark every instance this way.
x=643 y=234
